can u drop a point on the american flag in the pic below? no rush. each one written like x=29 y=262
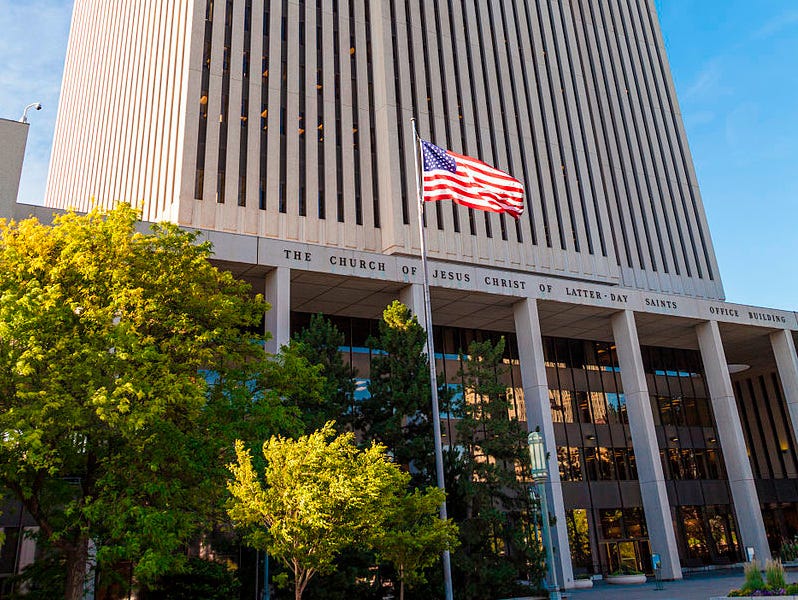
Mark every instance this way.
x=470 y=182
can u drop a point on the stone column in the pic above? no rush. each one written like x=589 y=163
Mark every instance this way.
x=644 y=438
x=278 y=320
x=412 y=296
x=732 y=442
x=538 y=414
x=787 y=364
x=27 y=552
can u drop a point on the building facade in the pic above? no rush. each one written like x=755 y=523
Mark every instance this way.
x=14 y=136
x=291 y=120
x=282 y=129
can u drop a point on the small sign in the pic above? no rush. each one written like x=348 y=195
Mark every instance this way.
x=749 y=553
x=656 y=562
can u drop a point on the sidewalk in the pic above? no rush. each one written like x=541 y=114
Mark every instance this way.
x=695 y=587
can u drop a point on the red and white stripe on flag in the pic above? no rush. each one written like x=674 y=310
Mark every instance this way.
x=468 y=181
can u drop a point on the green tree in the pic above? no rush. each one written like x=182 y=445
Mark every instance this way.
x=317 y=496
x=398 y=412
x=110 y=339
x=487 y=499
x=319 y=343
x=414 y=536
x=200 y=578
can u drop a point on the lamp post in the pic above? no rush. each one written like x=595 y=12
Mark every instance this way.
x=540 y=472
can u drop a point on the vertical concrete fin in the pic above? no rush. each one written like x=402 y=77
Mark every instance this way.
x=732 y=441
x=644 y=438
x=538 y=414
x=278 y=320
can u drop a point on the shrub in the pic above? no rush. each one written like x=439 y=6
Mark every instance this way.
x=753 y=578
x=789 y=550
x=774 y=575
x=202 y=579
x=626 y=571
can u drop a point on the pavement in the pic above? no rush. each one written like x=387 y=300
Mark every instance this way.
x=693 y=587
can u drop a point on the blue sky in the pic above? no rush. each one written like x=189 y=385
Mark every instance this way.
x=735 y=65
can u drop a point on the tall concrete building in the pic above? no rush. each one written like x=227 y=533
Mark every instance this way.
x=290 y=120
x=13 y=139
x=282 y=129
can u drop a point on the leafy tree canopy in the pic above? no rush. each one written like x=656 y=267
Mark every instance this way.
x=119 y=353
x=319 y=343
x=488 y=499
x=317 y=496
x=398 y=412
x=414 y=536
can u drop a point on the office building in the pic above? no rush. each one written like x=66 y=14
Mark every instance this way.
x=282 y=129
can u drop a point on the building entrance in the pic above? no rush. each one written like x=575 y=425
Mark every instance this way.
x=623 y=540
x=626 y=556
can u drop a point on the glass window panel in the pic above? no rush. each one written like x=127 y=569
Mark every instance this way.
x=591 y=469
x=583 y=407
x=563 y=460
x=579 y=539
x=635 y=521
x=606 y=464
x=555 y=400
x=691 y=418
x=688 y=464
x=721 y=531
x=616 y=408
x=620 y=464
x=577 y=354
x=704 y=415
x=713 y=465
x=576 y=464
x=675 y=464
x=665 y=414
x=598 y=407
x=700 y=464
x=694 y=537
x=611 y=526
x=568 y=401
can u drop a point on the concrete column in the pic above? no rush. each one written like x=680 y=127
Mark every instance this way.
x=644 y=438
x=538 y=414
x=732 y=442
x=412 y=296
x=787 y=364
x=278 y=320
x=27 y=552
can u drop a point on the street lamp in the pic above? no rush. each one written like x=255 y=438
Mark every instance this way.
x=24 y=118
x=540 y=472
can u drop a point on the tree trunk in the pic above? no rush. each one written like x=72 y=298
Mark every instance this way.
x=299 y=581
x=77 y=557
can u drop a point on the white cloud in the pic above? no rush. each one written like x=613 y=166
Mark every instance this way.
x=706 y=84
x=785 y=20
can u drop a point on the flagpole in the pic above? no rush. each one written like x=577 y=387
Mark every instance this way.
x=433 y=376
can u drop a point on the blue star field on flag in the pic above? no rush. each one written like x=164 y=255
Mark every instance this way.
x=437 y=158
